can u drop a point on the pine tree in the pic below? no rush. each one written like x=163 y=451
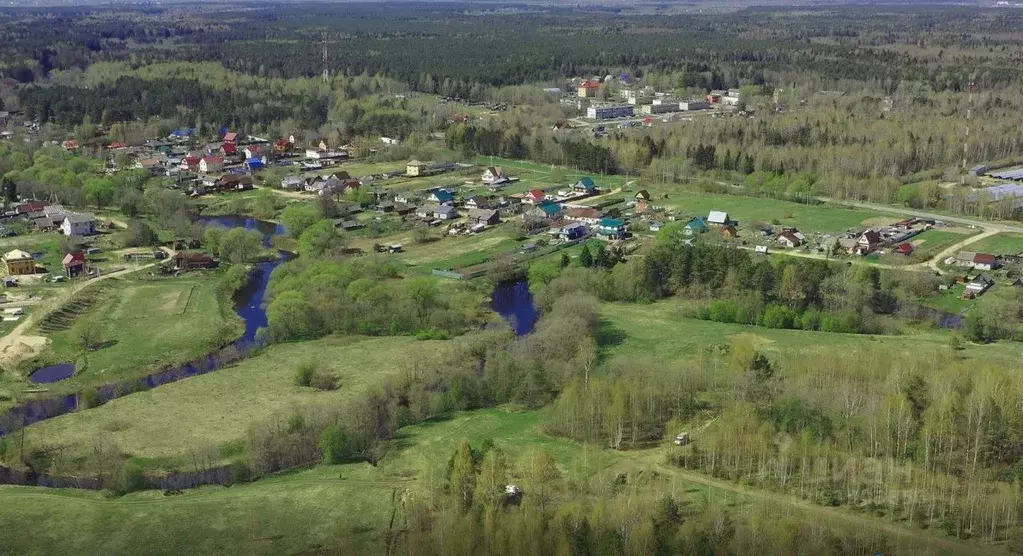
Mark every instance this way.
x=585 y=257
x=463 y=475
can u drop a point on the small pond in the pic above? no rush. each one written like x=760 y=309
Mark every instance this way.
x=514 y=302
x=53 y=373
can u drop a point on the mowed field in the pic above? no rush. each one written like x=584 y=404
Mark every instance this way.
x=657 y=330
x=212 y=410
x=345 y=509
x=808 y=218
x=147 y=324
x=1000 y=244
x=931 y=242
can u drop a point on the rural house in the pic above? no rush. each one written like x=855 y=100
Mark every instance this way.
x=415 y=168
x=977 y=286
x=292 y=182
x=718 y=218
x=192 y=261
x=442 y=196
x=642 y=195
x=985 y=261
x=231 y=138
x=445 y=212
x=867 y=242
x=484 y=216
x=695 y=226
x=571 y=231
x=585 y=185
x=477 y=202
x=612 y=228
x=547 y=210
x=18 y=263
x=535 y=197
x=78 y=224
x=789 y=239
x=74 y=263
x=586 y=215
x=494 y=175
x=905 y=249
x=729 y=232
x=211 y=164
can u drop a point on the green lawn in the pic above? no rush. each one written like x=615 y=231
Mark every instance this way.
x=808 y=218
x=532 y=174
x=1000 y=244
x=931 y=242
x=218 y=408
x=657 y=330
x=149 y=323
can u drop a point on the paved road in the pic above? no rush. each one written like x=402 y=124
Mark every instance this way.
x=986 y=224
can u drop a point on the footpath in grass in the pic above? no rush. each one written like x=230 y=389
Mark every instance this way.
x=215 y=409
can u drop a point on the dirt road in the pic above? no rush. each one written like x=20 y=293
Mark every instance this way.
x=17 y=345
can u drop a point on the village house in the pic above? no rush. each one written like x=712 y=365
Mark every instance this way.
x=719 y=218
x=789 y=239
x=193 y=261
x=442 y=196
x=406 y=197
x=191 y=163
x=426 y=211
x=611 y=228
x=211 y=164
x=729 y=232
x=867 y=242
x=588 y=89
x=585 y=185
x=292 y=183
x=494 y=175
x=71 y=145
x=905 y=249
x=283 y=146
x=642 y=195
x=695 y=226
x=484 y=216
x=253 y=151
x=78 y=224
x=415 y=168
x=478 y=202
x=535 y=197
x=656 y=226
x=18 y=263
x=31 y=206
x=985 y=261
x=586 y=215
x=231 y=137
x=570 y=231
x=977 y=286
x=315 y=154
x=152 y=165
x=74 y=263
x=546 y=210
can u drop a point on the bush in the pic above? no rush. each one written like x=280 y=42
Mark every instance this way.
x=92 y=398
x=433 y=334
x=134 y=476
x=324 y=381
x=305 y=373
x=334 y=444
x=240 y=472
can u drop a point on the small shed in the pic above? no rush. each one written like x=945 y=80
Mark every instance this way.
x=74 y=263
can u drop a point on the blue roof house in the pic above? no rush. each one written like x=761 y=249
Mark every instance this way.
x=612 y=228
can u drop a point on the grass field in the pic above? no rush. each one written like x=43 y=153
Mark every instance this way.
x=656 y=330
x=931 y=242
x=149 y=324
x=217 y=408
x=808 y=218
x=345 y=509
x=532 y=175
x=1000 y=244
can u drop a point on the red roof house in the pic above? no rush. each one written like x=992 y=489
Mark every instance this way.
x=74 y=263
x=904 y=249
x=535 y=196
x=231 y=137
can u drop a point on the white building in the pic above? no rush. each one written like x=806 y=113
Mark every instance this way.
x=78 y=224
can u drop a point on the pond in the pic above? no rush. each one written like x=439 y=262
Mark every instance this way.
x=53 y=373
x=514 y=302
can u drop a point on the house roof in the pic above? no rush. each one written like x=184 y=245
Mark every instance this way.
x=550 y=209
x=537 y=194
x=643 y=194
x=495 y=170
x=443 y=195
x=717 y=217
x=444 y=209
x=587 y=183
x=966 y=256
x=213 y=160
x=984 y=258
x=482 y=214
x=584 y=213
x=905 y=248
x=74 y=258
x=871 y=236
x=415 y=163
x=611 y=223
x=697 y=222
x=79 y=217
x=230 y=136
x=789 y=236
x=17 y=255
